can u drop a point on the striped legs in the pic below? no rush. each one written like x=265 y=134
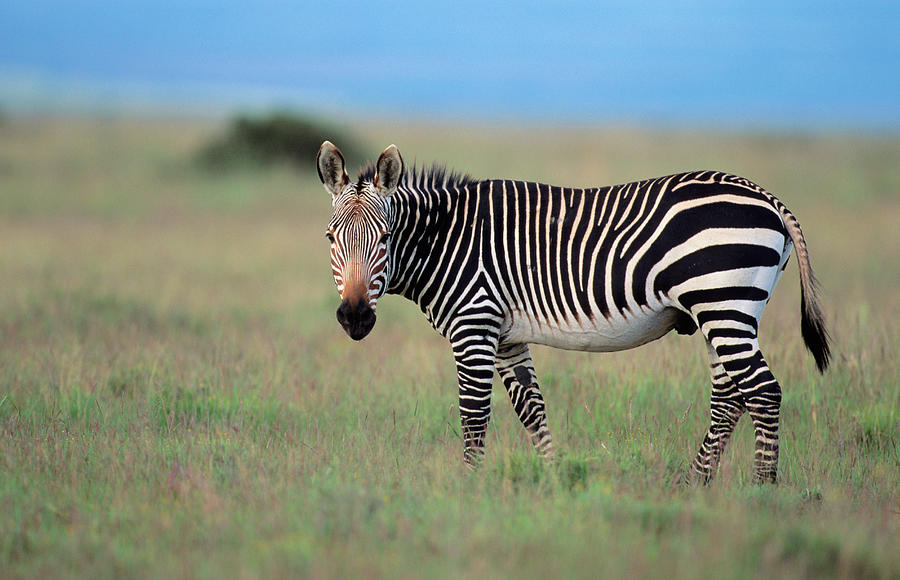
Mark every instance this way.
x=517 y=373
x=726 y=408
x=737 y=353
x=762 y=396
x=476 y=357
x=475 y=350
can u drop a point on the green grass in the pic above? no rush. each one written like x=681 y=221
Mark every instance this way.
x=177 y=400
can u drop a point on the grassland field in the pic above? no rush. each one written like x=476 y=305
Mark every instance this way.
x=177 y=400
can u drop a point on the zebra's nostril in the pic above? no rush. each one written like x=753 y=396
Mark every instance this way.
x=365 y=313
x=342 y=313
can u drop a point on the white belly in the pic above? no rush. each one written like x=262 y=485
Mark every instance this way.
x=598 y=334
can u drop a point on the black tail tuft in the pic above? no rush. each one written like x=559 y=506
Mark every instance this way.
x=815 y=335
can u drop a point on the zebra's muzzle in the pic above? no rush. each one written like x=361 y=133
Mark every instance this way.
x=357 y=320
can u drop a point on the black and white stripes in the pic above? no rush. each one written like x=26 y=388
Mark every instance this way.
x=496 y=265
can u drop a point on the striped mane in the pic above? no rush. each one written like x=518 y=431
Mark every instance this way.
x=418 y=177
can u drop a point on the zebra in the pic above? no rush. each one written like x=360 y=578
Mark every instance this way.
x=496 y=265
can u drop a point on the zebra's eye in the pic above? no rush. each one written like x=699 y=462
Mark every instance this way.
x=330 y=236
x=384 y=238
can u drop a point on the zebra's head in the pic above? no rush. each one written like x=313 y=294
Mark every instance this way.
x=359 y=234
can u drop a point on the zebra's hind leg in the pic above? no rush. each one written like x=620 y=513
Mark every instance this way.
x=726 y=408
x=517 y=373
x=746 y=367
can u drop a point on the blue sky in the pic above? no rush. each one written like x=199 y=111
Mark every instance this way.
x=760 y=63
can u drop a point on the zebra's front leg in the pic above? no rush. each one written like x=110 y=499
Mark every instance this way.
x=517 y=373
x=475 y=355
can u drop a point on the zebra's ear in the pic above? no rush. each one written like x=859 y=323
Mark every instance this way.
x=330 y=165
x=388 y=171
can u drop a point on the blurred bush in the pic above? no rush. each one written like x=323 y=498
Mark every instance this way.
x=274 y=138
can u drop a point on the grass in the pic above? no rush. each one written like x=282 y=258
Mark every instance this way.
x=176 y=399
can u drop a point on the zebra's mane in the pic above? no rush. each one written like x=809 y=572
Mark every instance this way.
x=417 y=177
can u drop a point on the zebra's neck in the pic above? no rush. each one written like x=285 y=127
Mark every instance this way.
x=416 y=217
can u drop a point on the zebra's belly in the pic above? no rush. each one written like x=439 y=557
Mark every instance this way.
x=598 y=334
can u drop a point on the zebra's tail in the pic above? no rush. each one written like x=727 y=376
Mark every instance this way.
x=812 y=321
